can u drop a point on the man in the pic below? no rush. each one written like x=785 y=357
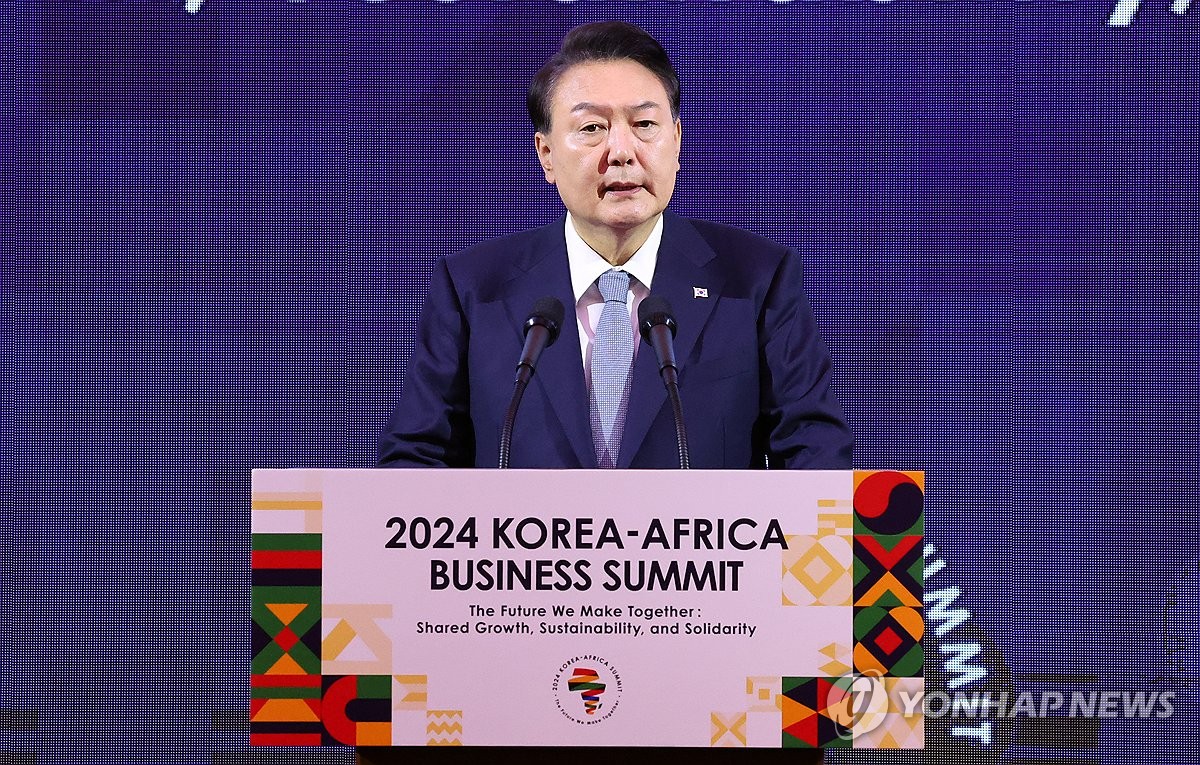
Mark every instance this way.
x=753 y=372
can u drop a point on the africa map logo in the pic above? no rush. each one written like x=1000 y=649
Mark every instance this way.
x=587 y=689
x=587 y=682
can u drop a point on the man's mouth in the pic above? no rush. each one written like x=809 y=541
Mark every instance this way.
x=621 y=188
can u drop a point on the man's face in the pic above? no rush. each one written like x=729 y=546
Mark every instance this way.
x=613 y=146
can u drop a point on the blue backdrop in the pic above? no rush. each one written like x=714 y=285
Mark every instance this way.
x=219 y=226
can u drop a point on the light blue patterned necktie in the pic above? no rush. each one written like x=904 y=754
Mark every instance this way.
x=612 y=360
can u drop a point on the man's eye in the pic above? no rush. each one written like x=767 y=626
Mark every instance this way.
x=590 y=128
x=645 y=123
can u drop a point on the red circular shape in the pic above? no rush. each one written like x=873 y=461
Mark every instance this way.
x=871 y=497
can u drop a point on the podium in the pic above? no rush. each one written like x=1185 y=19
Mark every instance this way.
x=694 y=609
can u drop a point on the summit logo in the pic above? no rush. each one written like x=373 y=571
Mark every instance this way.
x=587 y=689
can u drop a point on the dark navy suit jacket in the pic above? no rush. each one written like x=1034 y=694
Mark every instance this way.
x=753 y=372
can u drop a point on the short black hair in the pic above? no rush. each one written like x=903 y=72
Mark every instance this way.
x=600 y=41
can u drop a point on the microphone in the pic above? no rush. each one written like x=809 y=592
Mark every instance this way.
x=541 y=330
x=658 y=329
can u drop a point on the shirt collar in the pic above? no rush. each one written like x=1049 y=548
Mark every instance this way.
x=587 y=265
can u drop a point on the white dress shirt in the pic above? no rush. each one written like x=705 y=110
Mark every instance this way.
x=586 y=268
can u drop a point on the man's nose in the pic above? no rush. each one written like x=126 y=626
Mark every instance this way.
x=620 y=145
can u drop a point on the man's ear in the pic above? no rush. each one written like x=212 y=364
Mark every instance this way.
x=678 y=142
x=542 y=143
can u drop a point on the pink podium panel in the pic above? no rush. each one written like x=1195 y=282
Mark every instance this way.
x=587 y=608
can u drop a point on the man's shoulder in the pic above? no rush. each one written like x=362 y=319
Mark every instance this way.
x=721 y=233
x=499 y=256
x=736 y=247
x=516 y=243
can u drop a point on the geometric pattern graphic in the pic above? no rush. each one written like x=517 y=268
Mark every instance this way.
x=444 y=727
x=728 y=730
x=292 y=702
x=835 y=516
x=356 y=710
x=285 y=710
x=288 y=512
x=889 y=727
x=817 y=568
x=760 y=714
x=762 y=707
x=817 y=712
x=762 y=693
x=285 y=632
x=285 y=580
x=410 y=692
x=888 y=571
x=839 y=657
x=867 y=553
x=326 y=678
x=285 y=678
x=889 y=502
x=356 y=644
x=887 y=641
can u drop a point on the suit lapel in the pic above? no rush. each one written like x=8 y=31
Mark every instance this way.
x=684 y=264
x=559 y=377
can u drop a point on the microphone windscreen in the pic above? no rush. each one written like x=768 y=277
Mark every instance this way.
x=549 y=313
x=655 y=310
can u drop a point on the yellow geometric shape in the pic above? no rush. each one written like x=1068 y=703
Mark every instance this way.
x=835 y=669
x=286 y=500
x=840 y=655
x=368 y=651
x=444 y=727
x=833 y=650
x=286 y=612
x=336 y=641
x=835 y=523
x=412 y=692
x=817 y=569
x=285 y=710
x=447 y=727
x=763 y=693
x=728 y=729
x=286 y=666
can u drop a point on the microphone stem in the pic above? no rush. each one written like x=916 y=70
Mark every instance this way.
x=671 y=379
x=510 y=416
